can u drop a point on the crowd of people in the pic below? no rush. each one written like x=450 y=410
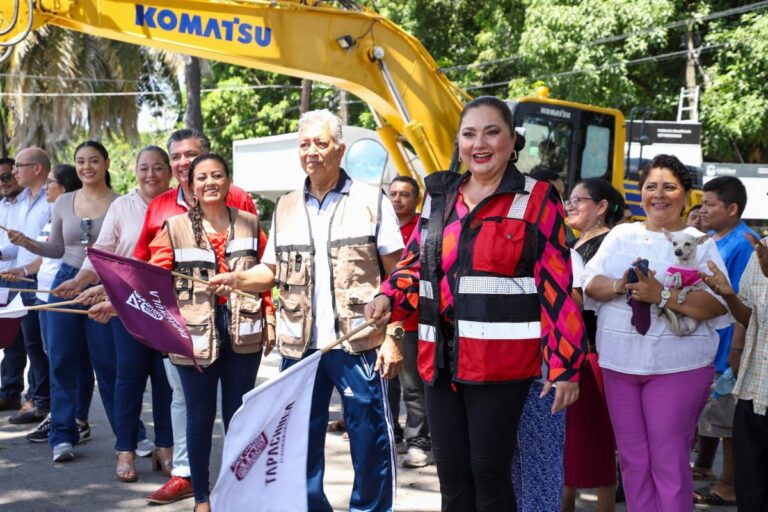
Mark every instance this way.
x=541 y=344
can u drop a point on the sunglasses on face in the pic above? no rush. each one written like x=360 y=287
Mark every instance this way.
x=6 y=178
x=85 y=233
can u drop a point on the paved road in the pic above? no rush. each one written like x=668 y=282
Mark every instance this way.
x=30 y=482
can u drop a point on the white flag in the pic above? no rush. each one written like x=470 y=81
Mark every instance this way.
x=264 y=461
x=15 y=309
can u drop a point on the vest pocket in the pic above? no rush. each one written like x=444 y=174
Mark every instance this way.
x=290 y=324
x=203 y=338
x=293 y=269
x=248 y=323
x=353 y=318
x=498 y=246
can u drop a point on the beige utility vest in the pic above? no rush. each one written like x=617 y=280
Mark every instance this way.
x=197 y=303
x=354 y=262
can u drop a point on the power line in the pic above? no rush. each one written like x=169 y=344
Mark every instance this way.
x=641 y=60
x=720 y=14
x=138 y=93
x=611 y=39
x=62 y=79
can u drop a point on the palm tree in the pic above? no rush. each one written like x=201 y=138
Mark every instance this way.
x=52 y=61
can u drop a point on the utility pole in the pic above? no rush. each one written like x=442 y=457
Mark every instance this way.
x=193 y=114
x=343 y=106
x=306 y=96
x=690 y=71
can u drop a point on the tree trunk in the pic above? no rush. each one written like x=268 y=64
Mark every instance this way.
x=193 y=115
x=344 y=106
x=306 y=96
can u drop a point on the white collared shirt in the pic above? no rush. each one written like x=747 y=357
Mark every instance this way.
x=31 y=218
x=9 y=210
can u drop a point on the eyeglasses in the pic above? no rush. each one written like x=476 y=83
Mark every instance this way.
x=85 y=234
x=48 y=182
x=17 y=165
x=574 y=201
x=6 y=178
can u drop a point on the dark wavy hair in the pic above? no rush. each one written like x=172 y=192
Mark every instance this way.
x=672 y=163
x=196 y=212
x=599 y=190
x=98 y=146
x=66 y=176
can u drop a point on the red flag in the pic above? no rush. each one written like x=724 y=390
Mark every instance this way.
x=10 y=320
x=143 y=296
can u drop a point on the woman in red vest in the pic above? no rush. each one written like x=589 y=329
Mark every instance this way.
x=489 y=274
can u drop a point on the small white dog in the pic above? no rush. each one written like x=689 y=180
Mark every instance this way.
x=685 y=276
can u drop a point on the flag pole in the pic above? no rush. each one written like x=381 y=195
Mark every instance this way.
x=344 y=338
x=65 y=310
x=27 y=290
x=203 y=281
x=53 y=305
x=32 y=243
x=25 y=279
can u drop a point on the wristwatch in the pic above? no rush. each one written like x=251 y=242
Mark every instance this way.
x=665 y=295
x=396 y=332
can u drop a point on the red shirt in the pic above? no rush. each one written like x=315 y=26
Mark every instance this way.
x=411 y=324
x=171 y=203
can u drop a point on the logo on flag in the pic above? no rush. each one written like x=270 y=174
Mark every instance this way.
x=244 y=463
x=137 y=301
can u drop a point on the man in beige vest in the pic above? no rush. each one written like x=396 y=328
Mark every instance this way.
x=329 y=245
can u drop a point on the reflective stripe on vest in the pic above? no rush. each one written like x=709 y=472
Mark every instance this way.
x=486 y=285
x=425 y=289
x=194 y=254
x=242 y=245
x=427 y=333
x=503 y=331
x=246 y=329
x=520 y=202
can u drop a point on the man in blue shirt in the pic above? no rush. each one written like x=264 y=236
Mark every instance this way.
x=722 y=206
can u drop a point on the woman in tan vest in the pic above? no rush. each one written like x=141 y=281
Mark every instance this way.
x=227 y=331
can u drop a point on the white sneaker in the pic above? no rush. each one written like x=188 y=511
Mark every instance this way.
x=417 y=458
x=145 y=448
x=63 y=452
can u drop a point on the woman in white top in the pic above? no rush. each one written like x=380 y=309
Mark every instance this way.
x=135 y=362
x=656 y=383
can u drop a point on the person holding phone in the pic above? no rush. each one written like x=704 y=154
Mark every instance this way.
x=656 y=382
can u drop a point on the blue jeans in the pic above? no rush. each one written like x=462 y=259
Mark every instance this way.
x=39 y=389
x=67 y=333
x=136 y=362
x=367 y=417
x=237 y=373
x=85 y=380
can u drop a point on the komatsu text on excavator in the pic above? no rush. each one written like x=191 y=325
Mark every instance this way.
x=352 y=48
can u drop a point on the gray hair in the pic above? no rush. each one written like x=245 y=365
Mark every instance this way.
x=326 y=117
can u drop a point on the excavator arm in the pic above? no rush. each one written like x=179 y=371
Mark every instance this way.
x=359 y=51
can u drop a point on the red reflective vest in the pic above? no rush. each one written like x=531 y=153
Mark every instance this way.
x=497 y=313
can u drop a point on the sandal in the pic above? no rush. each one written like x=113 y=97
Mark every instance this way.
x=703 y=474
x=162 y=460
x=706 y=496
x=126 y=467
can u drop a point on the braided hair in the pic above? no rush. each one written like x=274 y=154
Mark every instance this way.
x=196 y=212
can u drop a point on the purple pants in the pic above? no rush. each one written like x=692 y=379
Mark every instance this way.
x=654 y=418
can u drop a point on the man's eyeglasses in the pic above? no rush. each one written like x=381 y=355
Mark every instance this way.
x=17 y=165
x=85 y=233
x=574 y=201
x=6 y=178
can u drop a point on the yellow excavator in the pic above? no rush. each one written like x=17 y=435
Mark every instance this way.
x=352 y=48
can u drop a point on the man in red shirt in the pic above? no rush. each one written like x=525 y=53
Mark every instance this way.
x=183 y=147
x=404 y=196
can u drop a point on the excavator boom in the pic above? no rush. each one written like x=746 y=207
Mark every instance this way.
x=356 y=50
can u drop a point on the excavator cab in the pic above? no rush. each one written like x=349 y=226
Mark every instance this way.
x=577 y=141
